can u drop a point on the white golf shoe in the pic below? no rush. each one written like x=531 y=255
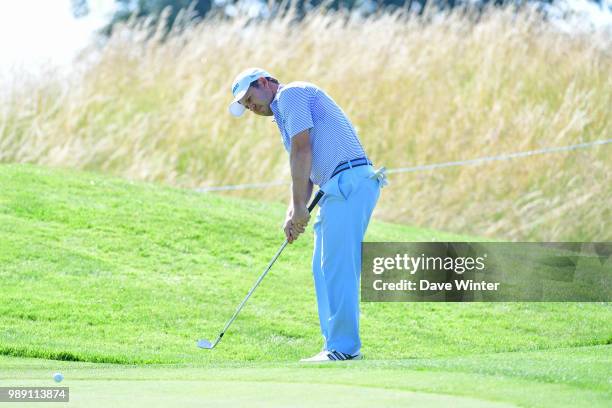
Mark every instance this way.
x=332 y=355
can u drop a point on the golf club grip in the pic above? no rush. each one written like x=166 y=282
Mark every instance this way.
x=315 y=200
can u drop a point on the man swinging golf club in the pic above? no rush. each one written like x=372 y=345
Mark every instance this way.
x=323 y=149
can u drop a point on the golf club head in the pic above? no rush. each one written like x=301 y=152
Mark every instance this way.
x=205 y=344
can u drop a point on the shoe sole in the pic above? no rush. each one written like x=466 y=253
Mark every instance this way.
x=359 y=357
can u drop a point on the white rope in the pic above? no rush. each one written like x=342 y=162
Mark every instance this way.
x=433 y=166
x=500 y=157
x=242 y=186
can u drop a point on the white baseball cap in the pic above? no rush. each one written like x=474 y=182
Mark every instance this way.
x=240 y=86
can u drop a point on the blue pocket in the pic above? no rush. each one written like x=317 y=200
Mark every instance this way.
x=346 y=184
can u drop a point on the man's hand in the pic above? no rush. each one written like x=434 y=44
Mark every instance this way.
x=296 y=223
x=288 y=223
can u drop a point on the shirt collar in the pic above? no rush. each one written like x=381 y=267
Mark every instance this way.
x=274 y=104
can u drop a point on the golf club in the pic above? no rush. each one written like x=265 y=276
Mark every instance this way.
x=205 y=344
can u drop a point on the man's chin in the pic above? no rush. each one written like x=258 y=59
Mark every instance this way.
x=263 y=112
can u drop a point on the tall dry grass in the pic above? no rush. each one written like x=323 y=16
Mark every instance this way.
x=418 y=90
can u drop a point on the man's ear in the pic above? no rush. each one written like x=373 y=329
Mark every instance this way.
x=263 y=82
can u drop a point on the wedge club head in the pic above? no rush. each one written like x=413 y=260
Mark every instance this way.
x=205 y=344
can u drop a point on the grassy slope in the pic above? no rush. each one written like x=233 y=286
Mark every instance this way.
x=99 y=269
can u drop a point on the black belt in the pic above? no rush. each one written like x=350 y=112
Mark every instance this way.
x=349 y=164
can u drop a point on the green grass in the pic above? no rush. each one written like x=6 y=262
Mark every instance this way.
x=100 y=270
x=567 y=377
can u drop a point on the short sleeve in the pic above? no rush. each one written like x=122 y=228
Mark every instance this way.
x=294 y=105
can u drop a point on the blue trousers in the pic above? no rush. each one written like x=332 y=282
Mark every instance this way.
x=344 y=214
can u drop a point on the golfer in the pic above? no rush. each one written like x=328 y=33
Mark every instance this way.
x=324 y=150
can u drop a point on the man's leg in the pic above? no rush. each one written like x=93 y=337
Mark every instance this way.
x=343 y=223
x=319 y=282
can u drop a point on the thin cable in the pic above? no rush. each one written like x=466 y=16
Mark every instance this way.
x=425 y=167
x=242 y=186
x=499 y=157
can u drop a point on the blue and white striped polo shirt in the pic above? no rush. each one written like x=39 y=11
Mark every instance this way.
x=298 y=106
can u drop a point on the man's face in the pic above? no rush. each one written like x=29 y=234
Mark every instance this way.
x=258 y=100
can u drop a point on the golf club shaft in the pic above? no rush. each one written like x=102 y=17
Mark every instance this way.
x=310 y=208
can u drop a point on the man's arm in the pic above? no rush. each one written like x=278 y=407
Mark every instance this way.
x=300 y=160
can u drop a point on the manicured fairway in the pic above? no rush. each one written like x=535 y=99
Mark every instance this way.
x=198 y=393
x=112 y=282
x=569 y=377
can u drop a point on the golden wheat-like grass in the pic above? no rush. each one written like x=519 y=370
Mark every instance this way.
x=419 y=90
